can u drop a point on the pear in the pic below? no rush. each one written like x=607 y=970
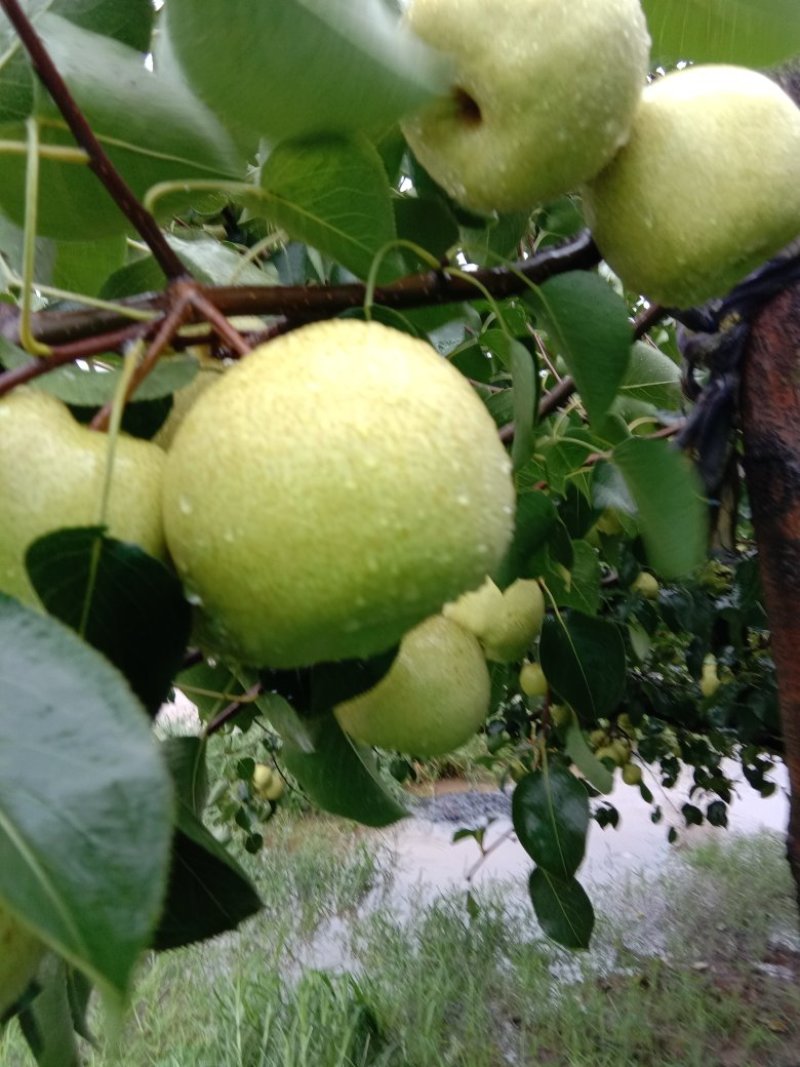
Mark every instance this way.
x=52 y=472
x=519 y=621
x=434 y=697
x=357 y=483
x=543 y=95
x=706 y=188
x=532 y=680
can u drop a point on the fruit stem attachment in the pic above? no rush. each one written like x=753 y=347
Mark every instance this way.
x=99 y=162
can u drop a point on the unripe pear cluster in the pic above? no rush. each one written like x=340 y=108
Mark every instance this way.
x=321 y=500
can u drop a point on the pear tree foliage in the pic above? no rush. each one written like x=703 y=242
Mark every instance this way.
x=620 y=641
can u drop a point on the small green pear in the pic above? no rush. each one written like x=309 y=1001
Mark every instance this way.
x=517 y=624
x=267 y=783
x=647 y=585
x=434 y=697
x=709 y=679
x=532 y=681
x=632 y=774
x=52 y=473
x=476 y=609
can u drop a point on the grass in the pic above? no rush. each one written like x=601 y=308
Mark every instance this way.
x=422 y=984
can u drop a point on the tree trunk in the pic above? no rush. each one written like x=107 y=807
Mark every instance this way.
x=771 y=424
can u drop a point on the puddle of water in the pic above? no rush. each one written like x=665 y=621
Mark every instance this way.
x=426 y=856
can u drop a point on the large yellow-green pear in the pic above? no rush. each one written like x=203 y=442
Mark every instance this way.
x=434 y=697
x=20 y=955
x=332 y=490
x=706 y=188
x=543 y=95
x=52 y=472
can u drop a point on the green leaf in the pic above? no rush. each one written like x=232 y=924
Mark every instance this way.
x=216 y=264
x=332 y=193
x=186 y=759
x=83 y=267
x=340 y=777
x=581 y=590
x=153 y=129
x=671 y=504
x=47 y=1023
x=595 y=772
x=210 y=686
x=135 y=614
x=85 y=799
x=535 y=520
x=208 y=892
x=588 y=324
x=128 y=21
x=95 y=383
x=653 y=378
x=563 y=909
x=750 y=32
x=583 y=659
x=428 y=223
x=550 y=812
x=523 y=375
x=300 y=67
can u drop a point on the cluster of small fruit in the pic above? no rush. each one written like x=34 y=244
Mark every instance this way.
x=616 y=749
x=689 y=180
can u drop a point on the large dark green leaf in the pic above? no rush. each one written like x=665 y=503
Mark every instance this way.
x=750 y=32
x=153 y=129
x=588 y=324
x=300 y=67
x=124 y=602
x=85 y=799
x=583 y=659
x=128 y=21
x=550 y=811
x=673 y=514
x=208 y=893
x=340 y=777
x=332 y=193
x=563 y=909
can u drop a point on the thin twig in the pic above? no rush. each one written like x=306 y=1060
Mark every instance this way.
x=99 y=162
x=233 y=709
x=60 y=357
x=169 y=326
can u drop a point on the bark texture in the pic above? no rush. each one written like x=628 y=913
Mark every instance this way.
x=771 y=424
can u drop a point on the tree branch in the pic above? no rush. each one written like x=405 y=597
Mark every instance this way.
x=99 y=162
x=305 y=303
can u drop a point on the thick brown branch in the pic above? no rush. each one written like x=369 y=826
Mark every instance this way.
x=99 y=162
x=303 y=303
x=771 y=424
